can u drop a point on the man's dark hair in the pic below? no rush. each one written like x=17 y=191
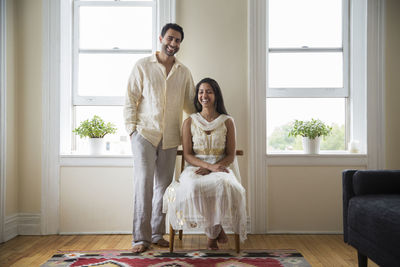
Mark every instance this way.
x=173 y=26
x=219 y=101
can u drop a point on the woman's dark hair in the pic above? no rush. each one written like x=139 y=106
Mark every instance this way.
x=173 y=26
x=219 y=101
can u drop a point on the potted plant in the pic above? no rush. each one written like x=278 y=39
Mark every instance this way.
x=311 y=132
x=95 y=129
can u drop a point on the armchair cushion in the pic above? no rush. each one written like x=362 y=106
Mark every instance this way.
x=376 y=218
x=371 y=215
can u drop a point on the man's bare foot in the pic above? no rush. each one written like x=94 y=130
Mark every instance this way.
x=222 y=237
x=162 y=243
x=212 y=244
x=139 y=248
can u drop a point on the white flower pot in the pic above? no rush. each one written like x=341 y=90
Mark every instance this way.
x=96 y=146
x=311 y=146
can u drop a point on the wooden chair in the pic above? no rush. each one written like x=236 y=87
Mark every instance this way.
x=172 y=231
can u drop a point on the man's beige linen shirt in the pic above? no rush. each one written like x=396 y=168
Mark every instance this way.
x=154 y=101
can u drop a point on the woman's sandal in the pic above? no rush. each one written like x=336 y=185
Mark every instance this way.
x=162 y=243
x=222 y=237
x=212 y=244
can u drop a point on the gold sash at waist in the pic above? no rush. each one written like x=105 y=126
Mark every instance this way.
x=215 y=152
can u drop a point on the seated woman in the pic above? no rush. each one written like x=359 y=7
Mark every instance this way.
x=208 y=193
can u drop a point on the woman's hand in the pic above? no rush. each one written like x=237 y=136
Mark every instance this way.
x=217 y=167
x=202 y=171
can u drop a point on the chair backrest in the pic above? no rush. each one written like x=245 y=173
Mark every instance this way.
x=180 y=153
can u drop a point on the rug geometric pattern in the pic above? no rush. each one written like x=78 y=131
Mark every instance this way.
x=204 y=258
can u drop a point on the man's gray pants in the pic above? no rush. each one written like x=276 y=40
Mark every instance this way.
x=153 y=171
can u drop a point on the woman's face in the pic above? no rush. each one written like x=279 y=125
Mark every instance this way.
x=206 y=96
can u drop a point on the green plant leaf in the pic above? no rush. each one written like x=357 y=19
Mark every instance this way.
x=94 y=128
x=311 y=129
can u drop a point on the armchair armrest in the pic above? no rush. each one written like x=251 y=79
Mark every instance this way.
x=348 y=193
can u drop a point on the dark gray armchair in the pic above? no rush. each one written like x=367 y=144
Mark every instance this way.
x=371 y=215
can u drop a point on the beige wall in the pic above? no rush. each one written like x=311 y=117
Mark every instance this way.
x=29 y=84
x=218 y=53
x=305 y=198
x=11 y=121
x=392 y=84
x=96 y=199
x=215 y=45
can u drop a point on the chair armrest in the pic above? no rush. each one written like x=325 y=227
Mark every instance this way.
x=348 y=193
x=367 y=182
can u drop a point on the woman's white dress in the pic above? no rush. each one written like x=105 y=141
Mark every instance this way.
x=203 y=201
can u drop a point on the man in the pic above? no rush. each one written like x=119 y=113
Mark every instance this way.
x=159 y=89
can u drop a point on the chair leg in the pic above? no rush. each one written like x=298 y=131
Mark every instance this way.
x=362 y=259
x=237 y=243
x=180 y=234
x=171 y=238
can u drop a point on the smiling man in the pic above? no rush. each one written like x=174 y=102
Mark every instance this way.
x=159 y=89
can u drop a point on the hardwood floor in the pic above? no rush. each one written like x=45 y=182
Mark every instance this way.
x=319 y=250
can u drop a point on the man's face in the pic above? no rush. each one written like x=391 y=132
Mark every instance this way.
x=170 y=42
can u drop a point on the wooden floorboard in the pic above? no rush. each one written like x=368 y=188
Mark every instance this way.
x=319 y=250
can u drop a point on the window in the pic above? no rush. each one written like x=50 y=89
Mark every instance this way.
x=308 y=70
x=108 y=37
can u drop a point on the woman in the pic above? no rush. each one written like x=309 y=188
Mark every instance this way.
x=209 y=193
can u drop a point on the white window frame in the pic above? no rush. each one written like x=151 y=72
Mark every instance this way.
x=355 y=80
x=105 y=100
x=57 y=103
x=314 y=92
x=321 y=92
x=369 y=103
x=328 y=92
x=3 y=119
x=163 y=11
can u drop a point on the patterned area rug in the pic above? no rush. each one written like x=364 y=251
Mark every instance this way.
x=247 y=258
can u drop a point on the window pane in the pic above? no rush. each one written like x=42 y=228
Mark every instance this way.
x=109 y=27
x=105 y=74
x=113 y=114
x=281 y=112
x=312 y=23
x=305 y=70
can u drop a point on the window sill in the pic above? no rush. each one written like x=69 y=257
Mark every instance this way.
x=326 y=158
x=276 y=159
x=105 y=160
